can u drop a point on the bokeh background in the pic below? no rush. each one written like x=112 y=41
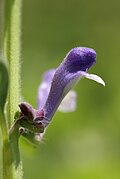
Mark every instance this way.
x=84 y=144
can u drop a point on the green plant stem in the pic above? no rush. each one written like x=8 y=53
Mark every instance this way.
x=11 y=48
x=11 y=52
x=6 y=149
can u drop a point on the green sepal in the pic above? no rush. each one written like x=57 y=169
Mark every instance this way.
x=32 y=126
x=30 y=136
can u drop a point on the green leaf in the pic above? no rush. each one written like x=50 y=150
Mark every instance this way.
x=3 y=85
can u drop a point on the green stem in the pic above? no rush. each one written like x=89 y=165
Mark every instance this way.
x=6 y=149
x=11 y=48
x=11 y=52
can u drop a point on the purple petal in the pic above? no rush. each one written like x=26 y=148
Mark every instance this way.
x=66 y=76
x=44 y=88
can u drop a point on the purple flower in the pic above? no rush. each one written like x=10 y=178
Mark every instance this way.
x=58 y=82
x=70 y=71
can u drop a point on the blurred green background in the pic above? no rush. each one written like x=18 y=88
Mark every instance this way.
x=84 y=144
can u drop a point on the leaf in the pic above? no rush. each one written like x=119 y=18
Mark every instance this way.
x=3 y=85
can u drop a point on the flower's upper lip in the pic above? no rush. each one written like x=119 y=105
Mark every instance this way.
x=83 y=50
x=79 y=59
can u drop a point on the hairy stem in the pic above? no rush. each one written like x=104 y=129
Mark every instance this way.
x=12 y=166
x=11 y=48
x=6 y=149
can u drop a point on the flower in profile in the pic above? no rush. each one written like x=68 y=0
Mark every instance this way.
x=58 y=83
